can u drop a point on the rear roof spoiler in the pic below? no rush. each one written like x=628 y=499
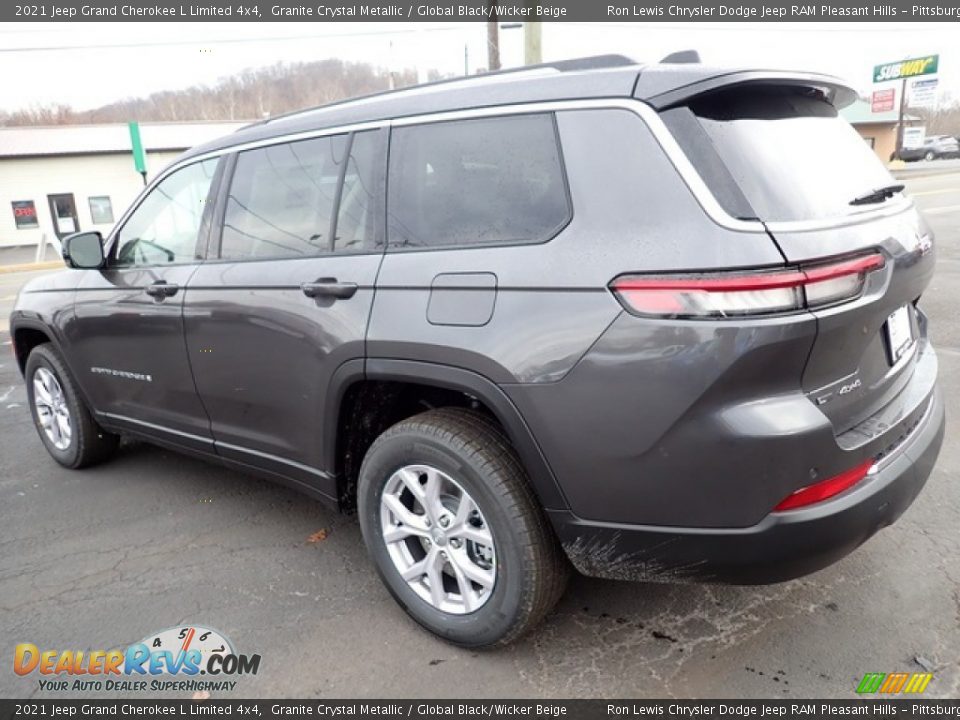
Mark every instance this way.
x=837 y=92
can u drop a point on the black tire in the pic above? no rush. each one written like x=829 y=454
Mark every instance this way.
x=531 y=569
x=89 y=443
x=929 y=156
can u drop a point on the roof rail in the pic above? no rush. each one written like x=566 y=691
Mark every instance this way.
x=592 y=62
x=681 y=57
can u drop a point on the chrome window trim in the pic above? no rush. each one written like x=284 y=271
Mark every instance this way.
x=647 y=114
x=678 y=158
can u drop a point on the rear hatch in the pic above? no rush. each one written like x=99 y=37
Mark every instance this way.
x=784 y=156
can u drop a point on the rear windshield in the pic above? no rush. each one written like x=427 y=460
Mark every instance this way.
x=789 y=152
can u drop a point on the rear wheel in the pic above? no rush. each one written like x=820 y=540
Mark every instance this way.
x=929 y=156
x=64 y=423
x=455 y=531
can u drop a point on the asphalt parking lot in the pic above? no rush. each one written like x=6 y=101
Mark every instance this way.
x=101 y=558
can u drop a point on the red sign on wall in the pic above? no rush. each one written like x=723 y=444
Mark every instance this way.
x=24 y=214
x=882 y=100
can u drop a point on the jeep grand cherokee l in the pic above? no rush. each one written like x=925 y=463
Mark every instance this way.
x=655 y=322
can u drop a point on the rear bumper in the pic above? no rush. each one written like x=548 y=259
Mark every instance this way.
x=780 y=547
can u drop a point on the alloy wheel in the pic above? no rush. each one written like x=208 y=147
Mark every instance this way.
x=438 y=539
x=53 y=413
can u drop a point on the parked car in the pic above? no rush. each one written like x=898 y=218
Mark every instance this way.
x=933 y=147
x=657 y=323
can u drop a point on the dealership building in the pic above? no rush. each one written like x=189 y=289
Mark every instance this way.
x=58 y=180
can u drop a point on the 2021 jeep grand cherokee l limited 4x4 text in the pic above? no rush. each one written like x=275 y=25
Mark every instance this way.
x=654 y=322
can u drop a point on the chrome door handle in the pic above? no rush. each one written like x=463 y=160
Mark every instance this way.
x=161 y=289
x=329 y=287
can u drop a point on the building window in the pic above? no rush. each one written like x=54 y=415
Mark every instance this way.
x=25 y=214
x=871 y=141
x=101 y=210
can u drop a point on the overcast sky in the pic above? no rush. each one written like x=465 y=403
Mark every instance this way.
x=89 y=64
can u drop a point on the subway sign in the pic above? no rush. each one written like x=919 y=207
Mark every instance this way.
x=906 y=68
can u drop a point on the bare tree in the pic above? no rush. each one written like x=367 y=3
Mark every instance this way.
x=251 y=94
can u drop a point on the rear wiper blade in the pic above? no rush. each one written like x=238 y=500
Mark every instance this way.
x=878 y=195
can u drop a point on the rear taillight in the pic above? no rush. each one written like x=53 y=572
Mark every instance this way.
x=825 y=489
x=745 y=293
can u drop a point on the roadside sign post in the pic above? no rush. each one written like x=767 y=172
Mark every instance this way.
x=882 y=100
x=139 y=159
x=901 y=70
x=923 y=93
x=913 y=137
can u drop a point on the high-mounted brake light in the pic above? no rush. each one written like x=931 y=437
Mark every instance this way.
x=745 y=293
x=825 y=489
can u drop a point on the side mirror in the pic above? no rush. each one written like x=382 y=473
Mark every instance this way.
x=83 y=250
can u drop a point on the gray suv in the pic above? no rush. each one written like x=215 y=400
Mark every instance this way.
x=657 y=323
x=933 y=147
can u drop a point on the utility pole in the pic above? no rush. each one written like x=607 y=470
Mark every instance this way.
x=532 y=46
x=903 y=107
x=493 y=41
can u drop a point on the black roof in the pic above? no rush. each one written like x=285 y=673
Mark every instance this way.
x=607 y=76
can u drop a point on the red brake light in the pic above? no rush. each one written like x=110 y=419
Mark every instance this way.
x=745 y=293
x=825 y=489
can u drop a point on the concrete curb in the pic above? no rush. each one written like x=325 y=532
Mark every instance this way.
x=27 y=267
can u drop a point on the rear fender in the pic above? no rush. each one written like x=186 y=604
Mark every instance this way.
x=451 y=378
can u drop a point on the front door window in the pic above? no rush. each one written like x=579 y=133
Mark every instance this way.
x=165 y=226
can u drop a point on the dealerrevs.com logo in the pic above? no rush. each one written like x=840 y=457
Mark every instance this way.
x=168 y=661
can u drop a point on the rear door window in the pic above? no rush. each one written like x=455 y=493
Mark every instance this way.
x=476 y=182
x=789 y=152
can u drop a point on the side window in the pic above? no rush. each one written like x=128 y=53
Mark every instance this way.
x=281 y=199
x=476 y=182
x=164 y=227
x=358 y=217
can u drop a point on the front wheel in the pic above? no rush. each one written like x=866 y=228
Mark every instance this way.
x=455 y=531
x=65 y=425
x=929 y=156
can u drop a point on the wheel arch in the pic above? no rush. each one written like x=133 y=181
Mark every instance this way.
x=26 y=334
x=442 y=378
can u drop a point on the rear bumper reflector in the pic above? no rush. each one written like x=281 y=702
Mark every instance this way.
x=825 y=489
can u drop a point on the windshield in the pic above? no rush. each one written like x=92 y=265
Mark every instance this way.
x=790 y=153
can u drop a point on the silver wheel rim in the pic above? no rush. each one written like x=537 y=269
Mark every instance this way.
x=53 y=414
x=438 y=539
